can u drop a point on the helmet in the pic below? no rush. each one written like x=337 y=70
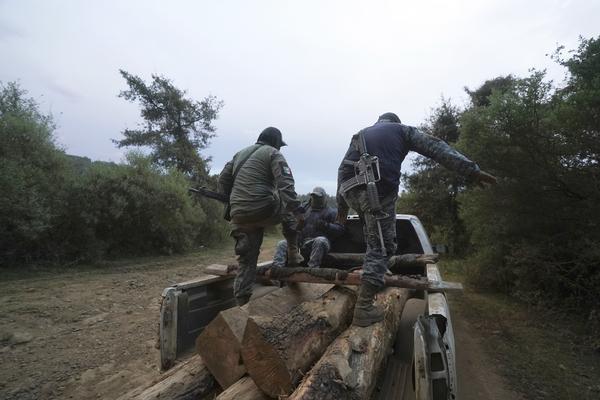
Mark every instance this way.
x=272 y=137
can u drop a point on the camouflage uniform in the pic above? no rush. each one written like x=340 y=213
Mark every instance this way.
x=262 y=195
x=312 y=250
x=391 y=142
x=318 y=229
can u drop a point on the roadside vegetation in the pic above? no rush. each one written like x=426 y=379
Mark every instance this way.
x=543 y=353
x=65 y=209
x=535 y=235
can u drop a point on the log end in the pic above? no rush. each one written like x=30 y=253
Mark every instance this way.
x=219 y=346
x=264 y=364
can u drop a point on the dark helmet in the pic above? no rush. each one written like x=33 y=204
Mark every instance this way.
x=272 y=137
x=389 y=117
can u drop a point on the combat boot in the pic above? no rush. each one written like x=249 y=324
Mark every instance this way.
x=294 y=258
x=365 y=312
x=240 y=301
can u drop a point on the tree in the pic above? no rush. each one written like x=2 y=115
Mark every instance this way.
x=33 y=172
x=536 y=232
x=431 y=190
x=175 y=128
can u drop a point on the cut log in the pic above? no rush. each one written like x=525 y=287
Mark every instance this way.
x=219 y=343
x=337 y=277
x=244 y=389
x=186 y=381
x=278 y=350
x=396 y=263
x=349 y=368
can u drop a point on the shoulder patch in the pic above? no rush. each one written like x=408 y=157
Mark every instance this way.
x=285 y=170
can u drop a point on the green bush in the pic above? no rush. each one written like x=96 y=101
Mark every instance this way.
x=135 y=209
x=56 y=208
x=33 y=173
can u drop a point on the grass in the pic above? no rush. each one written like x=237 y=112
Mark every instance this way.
x=541 y=352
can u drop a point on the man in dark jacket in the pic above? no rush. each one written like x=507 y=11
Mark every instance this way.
x=390 y=142
x=318 y=230
x=261 y=192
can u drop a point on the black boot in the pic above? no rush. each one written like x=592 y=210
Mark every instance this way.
x=365 y=313
x=242 y=300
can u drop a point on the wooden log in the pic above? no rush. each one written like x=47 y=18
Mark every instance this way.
x=349 y=368
x=219 y=343
x=338 y=277
x=397 y=262
x=244 y=389
x=278 y=350
x=186 y=381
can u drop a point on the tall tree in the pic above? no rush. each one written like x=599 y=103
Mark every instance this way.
x=175 y=128
x=431 y=190
x=536 y=232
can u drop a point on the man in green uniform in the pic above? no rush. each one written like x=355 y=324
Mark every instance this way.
x=261 y=192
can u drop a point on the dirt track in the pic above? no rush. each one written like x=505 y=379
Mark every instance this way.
x=91 y=334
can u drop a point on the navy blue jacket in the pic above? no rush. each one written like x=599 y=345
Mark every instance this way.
x=391 y=142
x=329 y=228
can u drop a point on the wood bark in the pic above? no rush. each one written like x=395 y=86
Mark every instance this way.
x=244 y=389
x=397 y=262
x=337 y=277
x=278 y=350
x=219 y=343
x=349 y=368
x=186 y=381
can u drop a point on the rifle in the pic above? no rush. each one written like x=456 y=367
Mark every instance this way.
x=367 y=173
x=211 y=194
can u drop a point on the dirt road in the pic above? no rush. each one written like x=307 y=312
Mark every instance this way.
x=90 y=334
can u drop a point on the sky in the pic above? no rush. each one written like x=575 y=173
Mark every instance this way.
x=318 y=70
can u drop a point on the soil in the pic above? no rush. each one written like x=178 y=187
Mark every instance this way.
x=90 y=332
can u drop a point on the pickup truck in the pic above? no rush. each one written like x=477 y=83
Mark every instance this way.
x=422 y=364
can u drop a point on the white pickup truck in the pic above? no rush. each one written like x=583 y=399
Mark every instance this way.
x=422 y=364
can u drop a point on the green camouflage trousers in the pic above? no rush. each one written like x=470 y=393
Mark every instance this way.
x=248 y=235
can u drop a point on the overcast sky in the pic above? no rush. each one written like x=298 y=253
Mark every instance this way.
x=318 y=70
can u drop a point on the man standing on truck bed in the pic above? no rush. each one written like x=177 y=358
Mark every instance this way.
x=368 y=180
x=319 y=228
x=261 y=193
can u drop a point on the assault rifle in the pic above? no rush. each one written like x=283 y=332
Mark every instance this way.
x=211 y=194
x=367 y=173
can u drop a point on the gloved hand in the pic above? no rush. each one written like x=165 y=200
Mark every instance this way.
x=300 y=221
x=321 y=225
x=483 y=179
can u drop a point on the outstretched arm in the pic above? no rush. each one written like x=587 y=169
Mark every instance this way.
x=438 y=150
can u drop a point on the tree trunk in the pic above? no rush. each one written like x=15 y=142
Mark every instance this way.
x=186 y=381
x=349 y=368
x=219 y=343
x=336 y=276
x=278 y=350
x=244 y=389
